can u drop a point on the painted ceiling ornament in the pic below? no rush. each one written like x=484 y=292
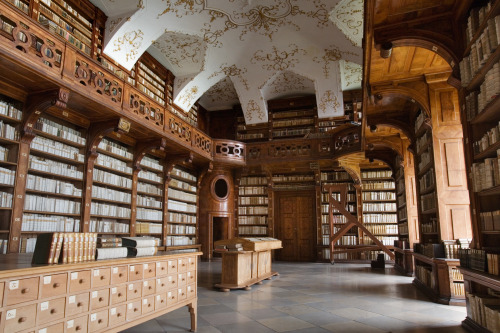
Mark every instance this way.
x=328 y=101
x=190 y=96
x=289 y=81
x=348 y=17
x=129 y=43
x=257 y=18
x=321 y=14
x=174 y=6
x=222 y=91
x=181 y=49
x=352 y=75
x=253 y=109
x=232 y=71
x=278 y=60
x=331 y=54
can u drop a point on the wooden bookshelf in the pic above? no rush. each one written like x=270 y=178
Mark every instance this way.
x=182 y=215
x=253 y=203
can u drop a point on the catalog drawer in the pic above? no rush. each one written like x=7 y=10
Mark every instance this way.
x=118 y=294
x=98 y=320
x=51 y=310
x=20 y=318
x=117 y=314
x=77 y=325
x=99 y=298
x=79 y=281
x=119 y=274
x=23 y=290
x=54 y=285
x=101 y=277
x=77 y=304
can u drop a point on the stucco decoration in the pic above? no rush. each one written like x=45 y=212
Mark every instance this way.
x=348 y=17
x=352 y=74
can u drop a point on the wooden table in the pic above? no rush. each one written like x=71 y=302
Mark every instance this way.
x=242 y=269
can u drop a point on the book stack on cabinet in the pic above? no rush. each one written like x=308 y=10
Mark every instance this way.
x=379 y=208
x=150 y=197
x=337 y=177
x=182 y=209
x=54 y=184
x=479 y=71
x=10 y=119
x=253 y=205
x=110 y=210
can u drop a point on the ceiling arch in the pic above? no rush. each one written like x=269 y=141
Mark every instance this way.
x=249 y=41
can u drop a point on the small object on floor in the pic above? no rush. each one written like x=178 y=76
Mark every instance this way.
x=380 y=262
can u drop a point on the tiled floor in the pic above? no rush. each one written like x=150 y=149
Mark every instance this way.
x=313 y=297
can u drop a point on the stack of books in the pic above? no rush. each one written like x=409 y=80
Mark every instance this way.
x=220 y=248
x=234 y=247
x=110 y=248
x=64 y=247
x=141 y=246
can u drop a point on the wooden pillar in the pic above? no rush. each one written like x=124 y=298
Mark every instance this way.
x=411 y=194
x=449 y=159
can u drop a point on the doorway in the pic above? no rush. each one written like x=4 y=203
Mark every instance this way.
x=295 y=217
x=219 y=230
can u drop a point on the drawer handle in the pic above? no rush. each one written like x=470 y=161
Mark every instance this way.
x=78 y=328
x=183 y=294
x=81 y=281
x=118 y=314
x=173 y=282
x=135 y=309
x=162 y=301
x=99 y=321
x=149 y=305
x=79 y=304
x=52 y=311
x=150 y=287
x=119 y=294
x=136 y=272
x=25 y=290
x=56 y=285
x=101 y=299
x=162 y=268
x=135 y=291
x=22 y=319
x=120 y=275
x=102 y=277
x=163 y=284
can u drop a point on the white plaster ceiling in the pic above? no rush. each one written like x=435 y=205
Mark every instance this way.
x=261 y=49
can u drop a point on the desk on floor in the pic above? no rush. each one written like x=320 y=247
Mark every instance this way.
x=241 y=269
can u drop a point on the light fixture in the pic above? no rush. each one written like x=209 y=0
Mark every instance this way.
x=386 y=50
x=373 y=128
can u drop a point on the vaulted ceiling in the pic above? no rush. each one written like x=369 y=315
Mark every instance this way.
x=227 y=52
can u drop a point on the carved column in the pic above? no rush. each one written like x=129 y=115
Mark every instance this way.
x=449 y=160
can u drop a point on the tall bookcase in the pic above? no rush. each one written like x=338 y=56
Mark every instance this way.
x=182 y=231
x=110 y=210
x=150 y=197
x=10 y=118
x=336 y=177
x=253 y=206
x=479 y=71
x=54 y=187
x=379 y=208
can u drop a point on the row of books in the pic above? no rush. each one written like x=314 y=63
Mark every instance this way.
x=325 y=208
x=419 y=122
x=59 y=130
x=113 y=163
x=57 y=30
x=152 y=76
x=344 y=240
x=402 y=244
x=294 y=122
x=104 y=209
x=380 y=218
x=8 y=132
x=4 y=246
x=456 y=275
x=5 y=199
x=402 y=214
x=253 y=200
x=425 y=158
x=42 y=184
x=10 y=110
x=39 y=222
x=427 y=180
x=180 y=195
x=431 y=226
x=253 y=181
x=104 y=193
x=292 y=132
x=428 y=201
x=382 y=196
x=149 y=202
x=149 y=214
x=149 y=189
x=389 y=229
x=489 y=138
x=484 y=309
x=53 y=167
x=180 y=240
x=181 y=229
x=151 y=163
x=350 y=186
x=351 y=197
x=486 y=174
x=27 y=245
x=183 y=174
x=180 y=217
x=4 y=153
x=340 y=175
x=423 y=141
x=490 y=221
x=181 y=206
x=386 y=240
x=401 y=200
x=376 y=174
x=112 y=248
x=476 y=17
x=379 y=207
x=252 y=230
x=474 y=259
x=249 y=136
x=108 y=226
x=403 y=228
x=64 y=247
x=115 y=148
x=51 y=205
x=294 y=114
x=493 y=260
x=400 y=186
x=175 y=183
x=292 y=178
x=252 y=220
x=148 y=175
x=424 y=275
x=57 y=148
x=7 y=176
x=380 y=185
x=336 y=219
x=148 y=228
x=249 y=210
x=111 y=179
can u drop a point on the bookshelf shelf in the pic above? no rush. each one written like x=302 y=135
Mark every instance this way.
x=56 y=157
x=57 y=138
x=491 y=151
x=253 y=201
x=113 y=186
x=55 y=175
x=111 y=201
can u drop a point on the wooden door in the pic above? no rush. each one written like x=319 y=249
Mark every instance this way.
x=296 y=226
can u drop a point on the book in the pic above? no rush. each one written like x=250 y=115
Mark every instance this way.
x=142 y=251
x=45 y=248
x=139 y=242
x=111 y=253
x=57 y=253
